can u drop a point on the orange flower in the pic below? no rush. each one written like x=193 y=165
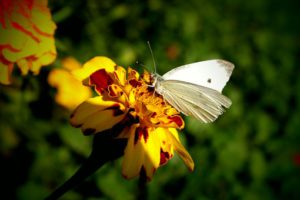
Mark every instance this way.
x=26 y=37
x=131 y=109
x=70 y=91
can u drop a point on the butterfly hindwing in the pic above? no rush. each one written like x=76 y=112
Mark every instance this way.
x=204 y=103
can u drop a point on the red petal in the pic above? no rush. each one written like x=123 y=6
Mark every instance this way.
x=8 y=46
x=134 y=83
x=101 y=80
x=141 y=132
x=164 y=157
x=177 y=120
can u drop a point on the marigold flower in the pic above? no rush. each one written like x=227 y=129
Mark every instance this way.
x=26 y=37
x=128 y=106
x=70 y=91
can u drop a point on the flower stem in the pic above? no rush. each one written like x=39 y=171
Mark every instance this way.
x=142 y=184
x=105 y=149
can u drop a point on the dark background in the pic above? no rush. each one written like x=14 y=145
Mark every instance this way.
x=251 y=152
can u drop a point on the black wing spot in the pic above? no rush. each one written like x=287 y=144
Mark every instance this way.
x=209 y=80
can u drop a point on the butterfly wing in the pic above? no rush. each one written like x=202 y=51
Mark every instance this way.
x=213 y=74
x=204 y=103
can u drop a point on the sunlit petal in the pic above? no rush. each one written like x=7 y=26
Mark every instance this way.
x=93 y=65
x=97 y=114
x=102 y=120
x=179 y=148
x=70 y=92
x=70 y=63
x=120 y=75
x=152 y=154
x=142 y=153
x=133 y=156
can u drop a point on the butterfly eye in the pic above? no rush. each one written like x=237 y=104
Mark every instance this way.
x=150 y=88
x=209 y=80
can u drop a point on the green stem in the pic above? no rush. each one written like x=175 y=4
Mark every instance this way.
x=142 y=192
x=105 y=149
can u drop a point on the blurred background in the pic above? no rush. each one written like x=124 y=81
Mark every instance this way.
x=251 y=152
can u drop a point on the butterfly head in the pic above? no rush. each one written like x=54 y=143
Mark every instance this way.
x=155 y=79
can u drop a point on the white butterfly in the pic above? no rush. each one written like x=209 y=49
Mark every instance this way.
x=195 y=89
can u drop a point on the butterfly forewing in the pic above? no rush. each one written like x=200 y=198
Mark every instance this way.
x=212 y=74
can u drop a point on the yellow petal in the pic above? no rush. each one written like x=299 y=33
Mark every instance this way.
x=141 y=153
x=120 y=75
x=24 y=65
x=133 y=156
x=22 y=23
x=147 y=77
x=46 y=45
x=132 y=95
x=42 y=60
x=174 y=132
x=171 y=111
x=13 y=37
x=179 y=148
x=5 y=73
x=41 y=18
x=70 y=91
x=152 y=154
x=93 y=65
x=100 y=121
x=165 y=144
x=70 y=63
x=29 y=47
x=96 y=115
x=132 y=74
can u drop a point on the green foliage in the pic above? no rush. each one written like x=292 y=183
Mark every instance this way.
x=250 y=152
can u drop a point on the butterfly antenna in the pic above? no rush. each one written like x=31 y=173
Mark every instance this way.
x=154 y=63
x=138 y=63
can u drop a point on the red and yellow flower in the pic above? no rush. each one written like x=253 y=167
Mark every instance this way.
x=26 y=37
x=127 y=103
